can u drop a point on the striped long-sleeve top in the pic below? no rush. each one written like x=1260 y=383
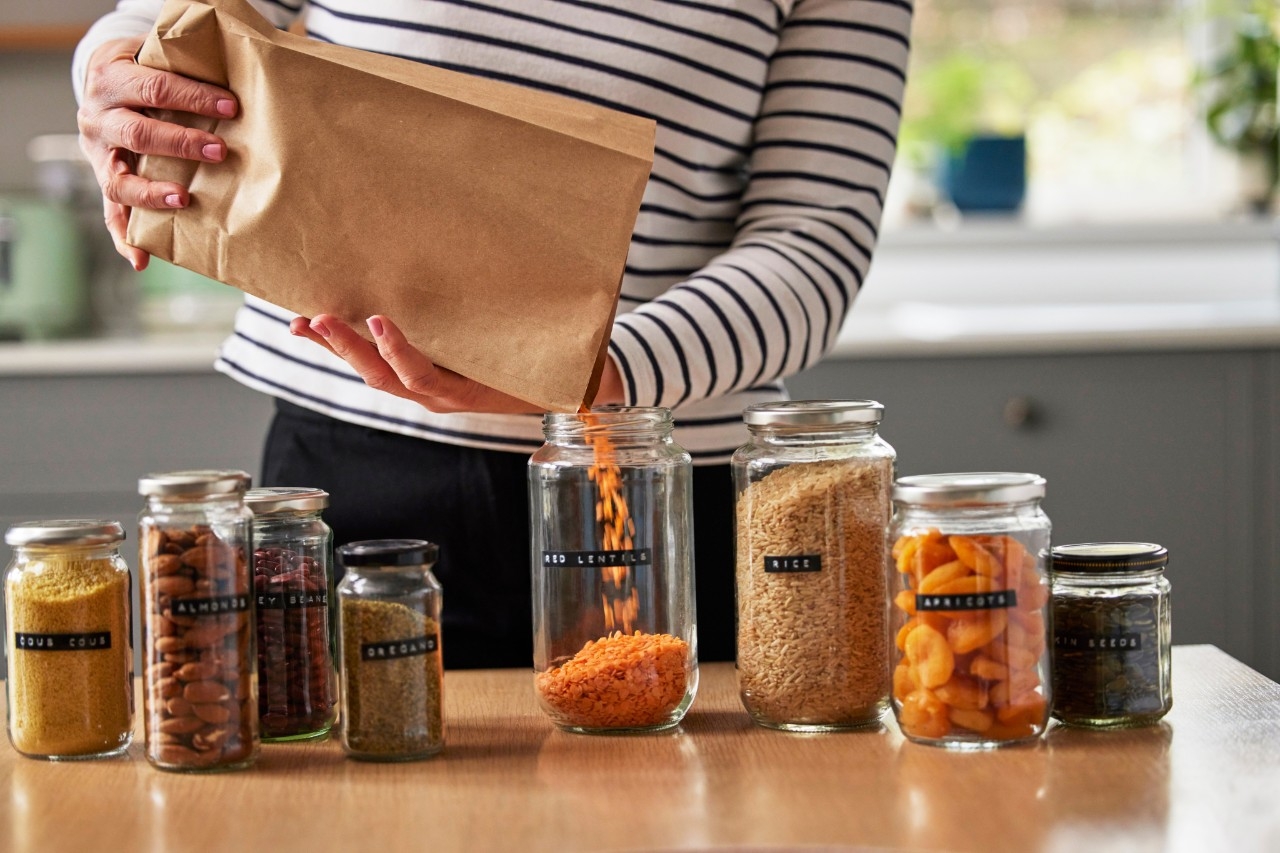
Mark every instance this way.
x=776 y=133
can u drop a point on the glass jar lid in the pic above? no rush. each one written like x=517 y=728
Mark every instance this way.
x=813 y=413
x=272 y=499
x=194 y=484
x=982 y=488
x=1109 y=557
x=65 y=531
x=388 y=552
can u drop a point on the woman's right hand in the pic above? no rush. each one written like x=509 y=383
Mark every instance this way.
x=114 y=131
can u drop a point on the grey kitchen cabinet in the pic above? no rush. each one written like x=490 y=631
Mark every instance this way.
x=1178 y=448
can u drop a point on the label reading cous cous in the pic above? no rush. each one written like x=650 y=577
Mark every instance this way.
x=597 y=559
x=1088 y=642
x=211 y=606
x=62 y=642
x=393 y=649
x=995 y=600
x=796 y=563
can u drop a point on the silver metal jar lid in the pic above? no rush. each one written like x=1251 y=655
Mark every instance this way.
x=193 y=484
x=980 y=488
x=813 y=413
x=270 y=499
x=65 y=531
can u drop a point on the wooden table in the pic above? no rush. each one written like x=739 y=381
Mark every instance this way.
x=1208 y=778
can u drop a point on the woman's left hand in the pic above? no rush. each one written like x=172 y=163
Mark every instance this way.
x=394 y=365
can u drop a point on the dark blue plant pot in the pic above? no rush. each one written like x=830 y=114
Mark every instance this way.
x=989 y=175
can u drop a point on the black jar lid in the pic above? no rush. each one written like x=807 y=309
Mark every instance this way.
x=1109 y=557
x=388 y=552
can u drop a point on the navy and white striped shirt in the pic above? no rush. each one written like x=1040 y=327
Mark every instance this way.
x=776 y=122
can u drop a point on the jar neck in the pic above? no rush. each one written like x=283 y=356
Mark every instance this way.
x=194 y=503
x=1108 y=579
x=788 y=436
x=1002 y=510
x=615 y=425
x=287 y=516
x=97 y=551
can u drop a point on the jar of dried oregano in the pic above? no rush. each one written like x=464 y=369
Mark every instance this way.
x=69 y=638
x=200 y=683
x=392 y=662
x=614 y=645
x=812 y=490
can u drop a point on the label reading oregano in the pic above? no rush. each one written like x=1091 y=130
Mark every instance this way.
x=394 y=649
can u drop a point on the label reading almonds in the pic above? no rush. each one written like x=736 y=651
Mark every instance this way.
x=62 y=642
x=597 y=559
x=794 y=563
x=393 y=649
x=211 y=606
x=995 y=600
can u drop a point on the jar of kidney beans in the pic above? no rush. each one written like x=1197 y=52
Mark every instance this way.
x=292 y=579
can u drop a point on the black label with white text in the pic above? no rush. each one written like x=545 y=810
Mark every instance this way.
x=213 y=606
x=292 y=600
x=62 y=642
x=1127 y=642
x=395 y=649
x=597 y=559
x=793 y=563
x=997 y=599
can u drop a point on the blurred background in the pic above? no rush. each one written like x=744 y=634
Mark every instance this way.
x=1078 y=275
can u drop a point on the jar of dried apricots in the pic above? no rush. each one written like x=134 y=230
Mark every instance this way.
x=614 y=642
x=812 y=490
x=970 y=601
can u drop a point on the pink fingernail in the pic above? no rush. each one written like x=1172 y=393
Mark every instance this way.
x=173 y=200
x=226 y=107
x=213 y=151
x=320 y=328
x=375 y=326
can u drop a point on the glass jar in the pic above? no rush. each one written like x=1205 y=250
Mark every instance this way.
x=1111 y=634
x=970 y=607
x=614 y=633
x=392 y=658
x=292 y=581
x=200 y=688
x=812 y=491
x=69 y=639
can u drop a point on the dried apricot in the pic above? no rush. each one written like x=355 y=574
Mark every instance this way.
x=1028 y=708
x=930 y=656
x=973 y=719
x=931 y=553
x=903 y=550
x=923 y=715
x=901 y=639
x=963 y=692
x=991 y=670
x=966 y=586
x=975 y=556
x=967 y=633
x=943 y=575
x=903 y=680
x=906 y=601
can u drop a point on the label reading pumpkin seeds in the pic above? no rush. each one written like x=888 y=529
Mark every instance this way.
x=393 y=649
x=211 y=606
x=597 y=559
x=1098 y=642
x=995 y=600
x=62 y=642
x=796 y=563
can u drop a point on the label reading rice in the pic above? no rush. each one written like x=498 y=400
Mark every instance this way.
x=62 y=642
x=597 y=559
x=794 y=563
x=995 y=600
x=406 y=648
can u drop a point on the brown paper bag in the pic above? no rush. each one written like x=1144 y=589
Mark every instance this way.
x=489 y=221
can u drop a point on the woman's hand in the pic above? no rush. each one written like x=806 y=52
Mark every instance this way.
x=113 y=131
x=393 y=365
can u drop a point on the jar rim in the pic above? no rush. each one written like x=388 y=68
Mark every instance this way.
x=974 y=488
x=195 y=483
x=1108 y=557
x=388 y=552
x=65 y=531
x=266 y=500
x=813 y=413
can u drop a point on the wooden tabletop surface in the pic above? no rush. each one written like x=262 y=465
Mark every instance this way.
x=1207 y=778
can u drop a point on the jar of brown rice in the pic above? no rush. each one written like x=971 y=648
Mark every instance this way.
x=812 y=490
x=970 y=608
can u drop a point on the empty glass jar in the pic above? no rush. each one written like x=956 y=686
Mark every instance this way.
x=69 y=638
x=970 y=608
x=200 y=686
x=292 y=578
x=614 y=632
x=812 y=505
x=392 y=658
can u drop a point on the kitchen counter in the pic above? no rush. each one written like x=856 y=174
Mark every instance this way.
x=1208 y=778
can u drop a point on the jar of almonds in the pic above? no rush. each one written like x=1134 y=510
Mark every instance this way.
x=199 y=679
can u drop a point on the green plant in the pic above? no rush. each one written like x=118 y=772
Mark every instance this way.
x=1240 y=88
